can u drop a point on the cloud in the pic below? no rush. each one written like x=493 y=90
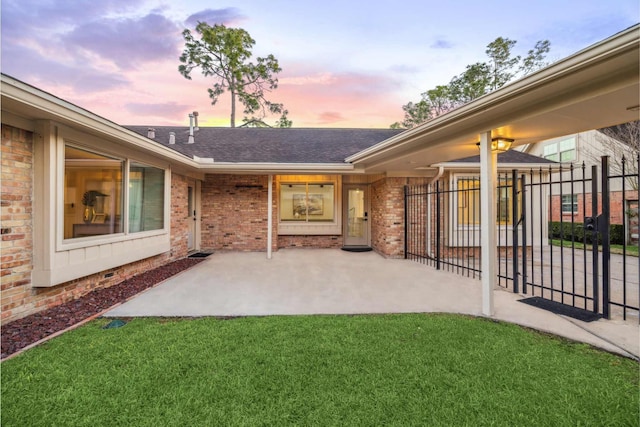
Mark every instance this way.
x=224 y=16
x=23 y=18
x=29 y=65
x=165 y=110
x=129 y=43
x=329 y=117
x=441 y=44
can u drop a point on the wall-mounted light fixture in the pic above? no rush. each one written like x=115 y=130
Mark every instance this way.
x=499 y=144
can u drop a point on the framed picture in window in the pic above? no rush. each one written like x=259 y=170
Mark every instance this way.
x=99 y=218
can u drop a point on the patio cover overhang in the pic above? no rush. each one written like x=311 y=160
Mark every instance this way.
x=594 y=88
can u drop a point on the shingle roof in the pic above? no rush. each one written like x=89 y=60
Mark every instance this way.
x=270 y=145
x=511 y=156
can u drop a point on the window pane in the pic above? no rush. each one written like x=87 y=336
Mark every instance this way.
x=320 y=202
x=567 y=156
x=553 y=157
x=567 y=144
x=569 y=203
x=468 y=201
x=92 y=194
x=293 y=202
x=146 y=198
x=550 y=149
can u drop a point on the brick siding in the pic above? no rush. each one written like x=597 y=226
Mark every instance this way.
x=321 y=242
x=234 y=213
x=387 y=216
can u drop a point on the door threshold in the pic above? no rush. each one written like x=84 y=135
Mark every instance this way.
x=357 y=248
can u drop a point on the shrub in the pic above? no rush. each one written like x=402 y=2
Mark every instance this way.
x=576 y=232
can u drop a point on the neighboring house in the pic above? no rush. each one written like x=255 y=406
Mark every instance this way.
x=87 y=203
x=568 y=202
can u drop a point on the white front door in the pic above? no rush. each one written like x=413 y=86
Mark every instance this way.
x=357 y=228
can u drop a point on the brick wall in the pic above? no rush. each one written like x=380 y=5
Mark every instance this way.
x=234 y=213
x=18 y=298
x=16 y=247
x=616 y=205
x=387 y=216
x=322 y=242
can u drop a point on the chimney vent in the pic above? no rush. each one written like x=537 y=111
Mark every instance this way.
x=190 y=141
x=195 y=116
x=172 y=138
x=151 y=133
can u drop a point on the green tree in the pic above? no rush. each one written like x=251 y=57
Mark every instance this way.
x=225 y=54
x=477 y=80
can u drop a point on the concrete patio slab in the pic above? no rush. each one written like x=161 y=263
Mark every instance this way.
x=329 y=281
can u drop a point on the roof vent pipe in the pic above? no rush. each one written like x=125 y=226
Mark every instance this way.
x=172 y=138
x=190 y=141
x=151 y=133
x=195 y=116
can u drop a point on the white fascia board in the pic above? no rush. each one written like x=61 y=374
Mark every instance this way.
x=54 y=108
x=509 y=166
x=315 y=168
x=621 y=42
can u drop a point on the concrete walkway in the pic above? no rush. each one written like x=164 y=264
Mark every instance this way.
x=330 y=281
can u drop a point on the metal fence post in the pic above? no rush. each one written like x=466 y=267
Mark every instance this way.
x=523 y=220
x=514 y=225
x=594 y=238
x=438 y=224
x=603 y=226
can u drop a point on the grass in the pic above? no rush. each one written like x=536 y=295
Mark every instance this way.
x=397 y=370
x=615 y=249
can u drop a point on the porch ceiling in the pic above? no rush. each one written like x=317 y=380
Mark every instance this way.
x=594 y=88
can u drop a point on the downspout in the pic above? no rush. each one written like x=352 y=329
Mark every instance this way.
x=269 y=216
x=437 y=176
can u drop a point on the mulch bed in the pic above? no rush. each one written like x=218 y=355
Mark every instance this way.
x=28 y=330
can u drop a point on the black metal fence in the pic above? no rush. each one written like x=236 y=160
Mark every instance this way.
x=567 y=234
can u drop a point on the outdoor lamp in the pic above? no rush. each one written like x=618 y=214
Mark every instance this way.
x=499 y=145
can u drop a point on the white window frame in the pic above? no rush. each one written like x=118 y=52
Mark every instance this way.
x=311 y=228
x=58 y=260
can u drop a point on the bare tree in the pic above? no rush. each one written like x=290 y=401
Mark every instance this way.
x=623 y=142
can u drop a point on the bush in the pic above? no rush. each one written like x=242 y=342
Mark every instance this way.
x=576 y=232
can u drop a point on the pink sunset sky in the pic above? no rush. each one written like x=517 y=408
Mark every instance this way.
x=345 y=64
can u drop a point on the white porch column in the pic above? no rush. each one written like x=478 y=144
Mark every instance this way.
x=269 y=216
x=488 y=225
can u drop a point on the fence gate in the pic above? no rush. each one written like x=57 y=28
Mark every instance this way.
x=565 y=234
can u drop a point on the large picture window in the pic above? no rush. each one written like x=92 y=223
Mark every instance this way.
x=94 y=195
x=306 y=202
x=93 y=198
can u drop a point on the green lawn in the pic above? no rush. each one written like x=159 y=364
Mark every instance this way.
x=615 y=249
x=371 y=370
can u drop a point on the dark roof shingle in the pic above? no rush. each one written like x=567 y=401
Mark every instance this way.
x=270 y=145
